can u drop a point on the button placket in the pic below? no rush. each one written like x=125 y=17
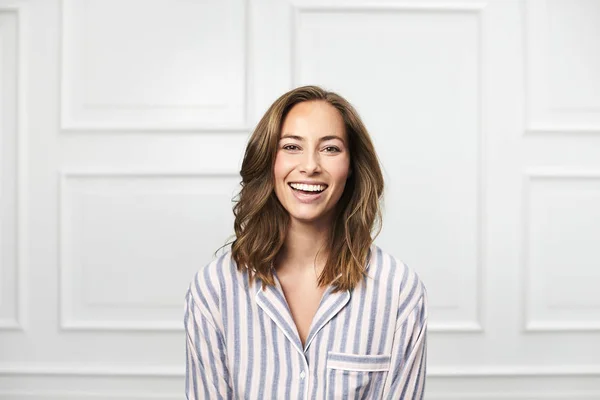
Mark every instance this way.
x=304 y=387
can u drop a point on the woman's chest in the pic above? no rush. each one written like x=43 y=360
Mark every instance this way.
x=303 y=300
x=347 y=348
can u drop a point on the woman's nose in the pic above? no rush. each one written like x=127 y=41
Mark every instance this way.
x=311 y=162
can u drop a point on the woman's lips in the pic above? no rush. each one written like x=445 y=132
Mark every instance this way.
x=305 y=197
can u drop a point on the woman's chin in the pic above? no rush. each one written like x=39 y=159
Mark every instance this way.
x=309 y=218
x=305 y=218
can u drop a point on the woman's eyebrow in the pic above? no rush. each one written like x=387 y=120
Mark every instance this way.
x=301 y=139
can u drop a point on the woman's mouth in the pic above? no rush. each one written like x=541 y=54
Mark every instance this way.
x=307 y=193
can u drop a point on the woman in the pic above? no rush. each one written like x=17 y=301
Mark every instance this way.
x=304 y=305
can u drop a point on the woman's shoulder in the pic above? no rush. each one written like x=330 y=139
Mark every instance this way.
x=394 y=271
x=212 y=279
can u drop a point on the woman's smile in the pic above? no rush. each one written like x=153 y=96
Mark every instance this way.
x=307 y=197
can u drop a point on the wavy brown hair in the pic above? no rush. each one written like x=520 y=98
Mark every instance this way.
x=261 y=222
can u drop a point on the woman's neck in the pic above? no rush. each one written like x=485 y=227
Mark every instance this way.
x=302 y=243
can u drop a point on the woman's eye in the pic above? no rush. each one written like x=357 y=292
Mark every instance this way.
x=293 y=147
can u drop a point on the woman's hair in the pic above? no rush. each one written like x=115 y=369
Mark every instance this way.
x=261 y=222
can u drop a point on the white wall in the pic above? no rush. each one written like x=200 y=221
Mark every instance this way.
x=122 y=128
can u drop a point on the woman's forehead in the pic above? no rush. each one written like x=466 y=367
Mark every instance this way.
x=316 y=121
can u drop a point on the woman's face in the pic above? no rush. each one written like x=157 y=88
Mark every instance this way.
x=312 y=162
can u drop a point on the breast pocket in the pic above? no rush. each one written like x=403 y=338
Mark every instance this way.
x=351 y=374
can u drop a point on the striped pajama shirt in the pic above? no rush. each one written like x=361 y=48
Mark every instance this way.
x=367 y=343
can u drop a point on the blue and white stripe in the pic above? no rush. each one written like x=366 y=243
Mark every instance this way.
x=368 y=343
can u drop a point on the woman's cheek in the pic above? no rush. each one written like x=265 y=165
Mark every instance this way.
x=340 y=170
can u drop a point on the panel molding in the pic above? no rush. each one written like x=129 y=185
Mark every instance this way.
x=66 y=321
x=444 y=381
x=570 y=395
x=85 y=370
x=539 y=117
x=515 y=371
x=315 y=6
x=60 y=395
x=530 y=175
x=19 y=11
x=455 y=327
x=71 y=123
x=336 y=6
x=299 y=8
x=105 y=325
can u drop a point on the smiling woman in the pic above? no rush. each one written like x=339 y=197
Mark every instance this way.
x=311 y=170
x=305 y=305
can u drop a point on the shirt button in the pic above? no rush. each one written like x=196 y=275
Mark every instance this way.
x=302 y=375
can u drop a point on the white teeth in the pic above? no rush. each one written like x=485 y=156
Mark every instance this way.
x=308 y=188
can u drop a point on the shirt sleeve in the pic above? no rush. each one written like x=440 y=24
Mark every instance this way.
x=408 y=365
x=206 y=374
